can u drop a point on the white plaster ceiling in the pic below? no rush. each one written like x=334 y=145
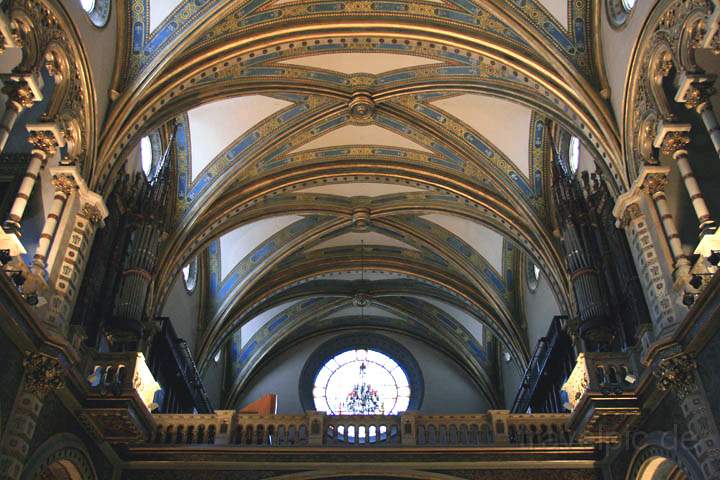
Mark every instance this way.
x=558 y=9
x=369 y=275
x=250 y=328
x=486 y=242
x=360 y=189
x=370 y=310
x=505 y=124
x=472 y=324
x=361 y=135
x=159 y=10
x=357 y=238
x=350 y=63
x=235 y=245
x=214 y=126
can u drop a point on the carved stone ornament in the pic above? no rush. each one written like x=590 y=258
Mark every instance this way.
x=64 y=183
x=19 y=92
x=631 y=213
x=675 y=142
x=655 y=183
x=44 y=141
x=361 y=107
x=361 y=300
x=43 y=374
x=698 y=94
x=91 y=212
x=677 y=374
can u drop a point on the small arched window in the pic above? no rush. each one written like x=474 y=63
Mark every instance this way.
x=628 y=4
x=146 y=156
x=574 y=154
x=533 y=277
x=190 y=272
x=98 y=11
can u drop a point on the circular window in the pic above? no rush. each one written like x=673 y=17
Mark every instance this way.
x=98 y=11
x=628 y=4
x=361 y=382
x=619 y=11
x=574 y=154
x=190 y=272
x=361 y=374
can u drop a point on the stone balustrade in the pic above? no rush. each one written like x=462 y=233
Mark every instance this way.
x=315 y=429
x=601 y=395
x=115 y=374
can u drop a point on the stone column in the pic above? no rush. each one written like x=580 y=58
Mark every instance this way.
x=637 y=215
x=73 y=241
x=45 y=145
x=695 y=92
x=22 y=91
x=678 y=374
x=43 y=374
x=655 y=187
x=64 y=187
x=672 y=139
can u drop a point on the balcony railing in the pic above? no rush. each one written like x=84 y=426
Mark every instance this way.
x=314 y=429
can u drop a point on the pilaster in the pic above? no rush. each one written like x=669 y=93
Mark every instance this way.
x=636 y=215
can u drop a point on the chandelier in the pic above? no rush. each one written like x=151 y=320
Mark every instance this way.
x=363 y=399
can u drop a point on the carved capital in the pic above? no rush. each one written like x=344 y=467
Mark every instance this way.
x=64 y=183
x=19 y=92
x=677 y=374
x=655 y=183
x=45 y=141
x=631 y=213
x=675 y=142
x=43 y=374
x=698 y=94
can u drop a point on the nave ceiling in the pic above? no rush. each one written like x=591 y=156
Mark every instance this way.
x=393 y=155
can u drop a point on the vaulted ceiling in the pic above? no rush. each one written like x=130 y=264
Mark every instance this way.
x=378 y=164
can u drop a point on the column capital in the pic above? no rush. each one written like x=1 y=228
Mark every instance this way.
x=43 y=374
x=677 y=374
x=46 y=137
x=672 y=138
x=694 y=90
x=650 y=179
x=24 y=90
x=655 y=183
x=64 y=183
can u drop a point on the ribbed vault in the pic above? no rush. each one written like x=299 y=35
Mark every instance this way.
x=393 y=152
